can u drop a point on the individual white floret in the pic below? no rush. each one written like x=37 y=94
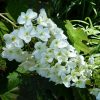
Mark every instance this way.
x=51 y=25
x=54 y=75
x=13 y=53
x=58 y=33
x=70 y=65
x=60 y=55
x=40 y=46
x=25 y=33
x=39 y=49
x=42 y=18
x=46 y=58
x=60 y=70
x=33 y=32
x=26 y=18
x=29 y=64
x=73 y=76
x=58 y=43
x=8 y=53
x=24 y=55
x=83 y=72
x=43 y=70
x=12 y=39
x=80 y=83
x=67 y=81
x=42 y=33
x=71 y=52
x=50 y=51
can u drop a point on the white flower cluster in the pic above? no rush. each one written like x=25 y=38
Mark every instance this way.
x=52 y=56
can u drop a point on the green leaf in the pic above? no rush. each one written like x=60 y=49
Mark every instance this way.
x=77 y=36
x=2 y=64
x=8 y=96
x=3 y=30
x=81 y=47
x=95 y=49
x=3 y=26
x=96 y=76
x=97 y=61
x=21 y=69
x=13 y=82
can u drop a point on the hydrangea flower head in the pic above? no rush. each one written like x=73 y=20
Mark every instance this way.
x=40 y=45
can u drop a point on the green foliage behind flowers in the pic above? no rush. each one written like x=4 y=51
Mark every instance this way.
x=76 y=9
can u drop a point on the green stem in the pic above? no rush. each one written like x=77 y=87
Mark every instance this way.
x=91 y=25
x=8 y=20
x=80 y=21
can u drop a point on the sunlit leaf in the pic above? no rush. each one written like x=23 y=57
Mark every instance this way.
x=77 y=36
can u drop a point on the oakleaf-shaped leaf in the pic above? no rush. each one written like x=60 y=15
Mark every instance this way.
x=77 y=36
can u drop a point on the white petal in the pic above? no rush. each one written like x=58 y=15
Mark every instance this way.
x=43 y=13
x=27 y=39
x=31 y=14
x=39 y=28
x=23 y=15
x=21 y=20
x=6 y=36
x=33 y=33
x=19 y=43
x=28 y=22
x=67 y=84
x=21 y=32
